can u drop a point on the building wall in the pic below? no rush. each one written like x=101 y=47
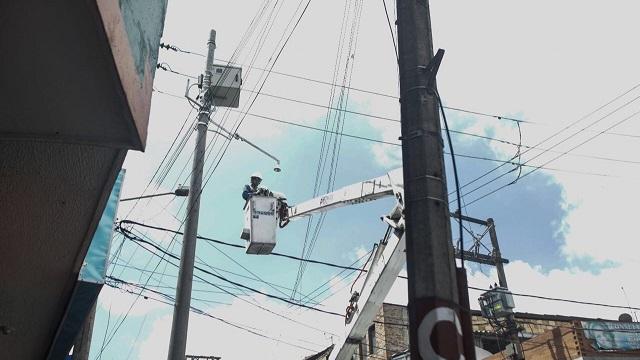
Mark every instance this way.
x=392 y=332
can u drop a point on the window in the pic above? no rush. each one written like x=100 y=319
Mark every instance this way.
x=371 y=334
x=361 y=351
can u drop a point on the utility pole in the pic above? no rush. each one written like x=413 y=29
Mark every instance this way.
x=180 y=324
x=512 y=325
x=433 y=294
x=502 y=278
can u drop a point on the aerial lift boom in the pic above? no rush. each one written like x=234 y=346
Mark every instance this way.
x=387 y=261
x=264 y=212
x=360 y=192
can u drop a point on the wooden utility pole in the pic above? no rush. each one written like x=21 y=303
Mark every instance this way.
x=434 y=323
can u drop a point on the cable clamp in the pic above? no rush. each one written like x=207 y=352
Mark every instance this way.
x=426 y=198
x=429 y=177
x=419 y=133
x=412 y=135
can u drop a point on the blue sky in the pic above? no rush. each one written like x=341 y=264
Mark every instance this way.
x=554 y=226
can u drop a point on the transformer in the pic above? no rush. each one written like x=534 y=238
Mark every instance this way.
x=496 y=303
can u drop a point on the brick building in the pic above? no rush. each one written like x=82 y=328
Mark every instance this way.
x=388 y=336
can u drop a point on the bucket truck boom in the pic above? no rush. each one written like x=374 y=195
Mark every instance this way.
x=263 y=213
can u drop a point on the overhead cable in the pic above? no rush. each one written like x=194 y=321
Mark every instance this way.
x=164 y=252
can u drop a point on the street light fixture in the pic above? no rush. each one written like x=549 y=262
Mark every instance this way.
x=230 y=136
x=181 y=191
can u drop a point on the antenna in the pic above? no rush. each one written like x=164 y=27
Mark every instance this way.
x=635 y=314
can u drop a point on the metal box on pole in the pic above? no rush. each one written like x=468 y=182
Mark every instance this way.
x=497 y=303
x=225 y=83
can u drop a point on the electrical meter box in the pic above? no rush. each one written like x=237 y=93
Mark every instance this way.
x=497 y=303
x=226 y=81
x=261 y=222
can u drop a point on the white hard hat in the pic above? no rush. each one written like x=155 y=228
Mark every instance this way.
x=257 y=174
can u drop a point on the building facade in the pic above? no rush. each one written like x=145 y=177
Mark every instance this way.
x=388 y=336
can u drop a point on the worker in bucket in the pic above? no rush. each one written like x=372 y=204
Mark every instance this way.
x=254 y=188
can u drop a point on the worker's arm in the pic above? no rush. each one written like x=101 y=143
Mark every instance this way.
x=248 y=192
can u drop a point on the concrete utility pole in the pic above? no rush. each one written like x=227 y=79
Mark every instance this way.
x=433 y=294
x=180 y=324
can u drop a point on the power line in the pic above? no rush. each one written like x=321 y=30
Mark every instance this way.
x=117 y=280
x=401 y=276
x=457 y=154
x=455 y=171
x=393 y=38
x=171 y=302
x=237 y=245
x=564 y=300
x=459 y=132
x=538 y=167
x=300 y=77
x=164 y=252
x=555 y=145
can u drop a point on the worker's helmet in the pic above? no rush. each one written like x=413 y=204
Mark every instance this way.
x=256 y=174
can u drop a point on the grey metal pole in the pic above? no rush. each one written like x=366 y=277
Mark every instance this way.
x=180 y=324
x=433 y=293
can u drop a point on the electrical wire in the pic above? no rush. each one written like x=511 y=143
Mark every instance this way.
x=238 y=246
x=337 y=121
x=171 y=302
x=556 y=134
x=222 y=278
x=563 y=300
x=516 y=163
x=393 y=38
x=538 y=167
x=352 y=268
x=455 y=174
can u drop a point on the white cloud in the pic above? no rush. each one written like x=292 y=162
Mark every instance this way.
x=118 y=302
x=208 y=336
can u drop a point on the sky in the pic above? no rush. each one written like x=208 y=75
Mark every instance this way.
x=567 y=228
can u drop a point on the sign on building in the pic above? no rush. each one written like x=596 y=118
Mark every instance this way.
x=607 y=335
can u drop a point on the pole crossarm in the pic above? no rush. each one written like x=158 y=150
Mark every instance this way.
x=479 y=258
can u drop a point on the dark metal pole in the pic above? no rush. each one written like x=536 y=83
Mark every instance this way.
x=434 y=323
x=180 y=324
